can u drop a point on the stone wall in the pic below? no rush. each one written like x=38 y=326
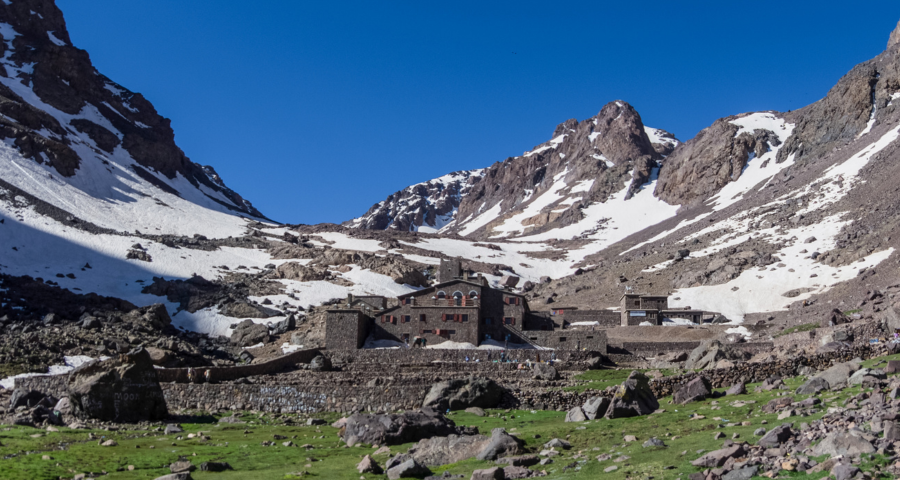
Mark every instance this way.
x=568 y=339
x=419 y=355
x=221 y=374
x=861 y=333
x=295 y=398
x=364 y=390
x=757 y=372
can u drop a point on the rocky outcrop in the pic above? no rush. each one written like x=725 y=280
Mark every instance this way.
x=894 y=40
x=704 y=164
x=633 y=398
x=462 y=394
x=249 y=333
x=396 y=429
x=121 y=389
x=693 y=391
x=436 y=451
x=430 y=204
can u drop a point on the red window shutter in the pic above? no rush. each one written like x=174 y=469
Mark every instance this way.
x=458 y=318
x=444 y=317
x=383 y=319
x=512 y=321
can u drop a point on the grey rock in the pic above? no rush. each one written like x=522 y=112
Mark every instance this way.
x=595 y=406
x=408 y=469
x=181 y=466
x=122 y=389
x=739 y=388
x=369 y=465
x=633 y=398
x=843 y=471
x=575 y=414
x=396 y=429
x=838 y=375
x=545 y=371
x=461 y=394
x=501 y=444
x=695 y=390
x=717 y=458
x=813 y=386
x=745 y=473
x=320 y=363
x=557 y=443
x=776 y=437
x=843 y=443
x=248 y=333
x=654 y=442
x=492 y=473
x=172 y=428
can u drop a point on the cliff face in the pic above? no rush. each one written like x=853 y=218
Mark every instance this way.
x=51 y=93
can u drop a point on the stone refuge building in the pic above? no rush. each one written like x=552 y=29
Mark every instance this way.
x=463 y=309
x=636 y=309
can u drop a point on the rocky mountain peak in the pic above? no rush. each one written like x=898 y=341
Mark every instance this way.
x=621 y=134
x=895 y=37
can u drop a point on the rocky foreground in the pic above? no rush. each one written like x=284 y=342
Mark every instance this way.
x=840 y=421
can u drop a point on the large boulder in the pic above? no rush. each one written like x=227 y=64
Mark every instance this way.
x=717 y=458
x=544 y=371
x=448 y=449
x=848 y=443
x=25 y=398
x=633 y=398
x=575 y=414
x=320 y=363
x=813 y=386
x=838 y=375
x=396 y=429
x=408 y=469
x=299 y=272
x=776 y=436
x=710 y=352
x=121 y=389
x=594 y=407
x=859 y=375
x=249 y=333
x=695 y=390
x=462 y=394
x=155 y=316
x=501 y=444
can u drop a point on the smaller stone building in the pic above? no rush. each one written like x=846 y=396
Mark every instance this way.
x=636 y=309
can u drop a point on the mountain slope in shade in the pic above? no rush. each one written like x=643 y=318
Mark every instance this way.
x=79 y=140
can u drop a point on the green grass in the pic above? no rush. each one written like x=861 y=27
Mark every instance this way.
x=72 y=452
x=806 y=327
x=601 y=379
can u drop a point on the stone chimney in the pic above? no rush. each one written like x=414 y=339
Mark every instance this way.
x=349 y=299
x=894 y=41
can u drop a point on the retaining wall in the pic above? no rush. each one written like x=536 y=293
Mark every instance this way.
x=221 y=374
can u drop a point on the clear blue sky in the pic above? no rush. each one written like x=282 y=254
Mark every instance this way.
x=316 y=110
